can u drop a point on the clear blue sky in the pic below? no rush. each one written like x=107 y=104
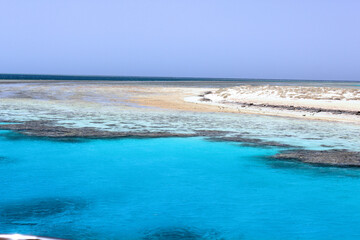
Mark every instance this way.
x=303 y=39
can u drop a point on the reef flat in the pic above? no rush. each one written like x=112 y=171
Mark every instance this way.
x=71 y=109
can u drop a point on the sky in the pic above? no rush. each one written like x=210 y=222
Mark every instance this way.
x=277 y=39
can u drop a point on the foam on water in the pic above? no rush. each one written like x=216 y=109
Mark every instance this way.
x=173 y=188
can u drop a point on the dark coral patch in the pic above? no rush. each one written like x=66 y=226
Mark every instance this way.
x=177 y=233
x=38 y=208
x=338 y=157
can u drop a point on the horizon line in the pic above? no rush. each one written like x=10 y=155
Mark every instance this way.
x=30 y=76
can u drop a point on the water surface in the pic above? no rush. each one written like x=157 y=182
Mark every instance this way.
x=169 y=188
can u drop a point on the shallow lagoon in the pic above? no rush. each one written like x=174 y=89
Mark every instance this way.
x=170 y=188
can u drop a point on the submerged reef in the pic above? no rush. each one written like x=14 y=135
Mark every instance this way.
x=51 y=130
x=253 y=142
x=23 y=212
x=177 y=233
x=5 y=160
x=47 y=129
x=335 y=157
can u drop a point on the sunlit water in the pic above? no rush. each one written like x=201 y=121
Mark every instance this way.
x=170 y=188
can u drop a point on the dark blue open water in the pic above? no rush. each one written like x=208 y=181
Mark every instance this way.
x=170 y=188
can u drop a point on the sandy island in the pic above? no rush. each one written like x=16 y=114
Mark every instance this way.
x=316 y=103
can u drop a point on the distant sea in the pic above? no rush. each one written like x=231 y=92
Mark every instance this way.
x=189 y=81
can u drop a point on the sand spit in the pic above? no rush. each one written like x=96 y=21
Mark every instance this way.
x=320 y=103
x=288 y=92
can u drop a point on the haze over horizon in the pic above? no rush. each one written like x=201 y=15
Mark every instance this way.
x=275 y=39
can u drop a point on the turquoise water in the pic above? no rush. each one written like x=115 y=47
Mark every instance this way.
x=170 y=188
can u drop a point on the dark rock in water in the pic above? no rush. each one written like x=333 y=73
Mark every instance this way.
x=180 y=233
x=291 y=108
x=339 y=158
x=38 y=208
x=204 y=99
x=327 y=146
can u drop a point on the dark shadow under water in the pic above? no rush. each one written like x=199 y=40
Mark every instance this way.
x=24 y=212
x=181 y=233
